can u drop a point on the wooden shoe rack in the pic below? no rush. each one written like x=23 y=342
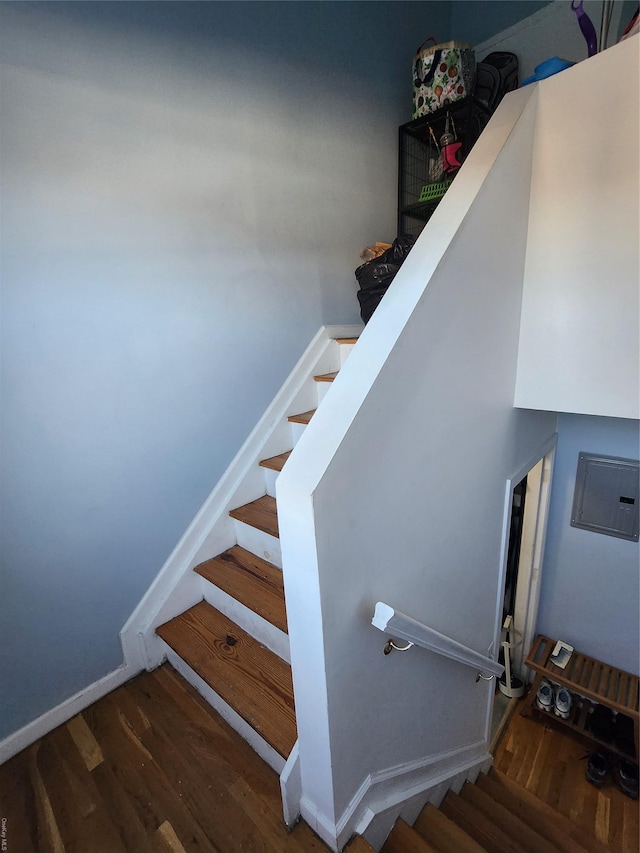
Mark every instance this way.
x=591 y=681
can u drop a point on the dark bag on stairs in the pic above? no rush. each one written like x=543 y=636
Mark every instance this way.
x=496 y=75
x=376 y=275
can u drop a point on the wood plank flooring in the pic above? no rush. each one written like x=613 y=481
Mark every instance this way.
x=149 y=768
x=551 y=764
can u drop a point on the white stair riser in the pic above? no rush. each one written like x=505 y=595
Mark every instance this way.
x=296 y=433
x=270 y=477
x=323 y=390
x=259 y=543
x=278 y=442
x=261 y=630
x=345 y=350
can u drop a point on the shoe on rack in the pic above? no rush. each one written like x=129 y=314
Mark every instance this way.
x=623 y=735
x=600 y=722
x=625 y=775
x=597 y=767
x=562 y=702
x=544 y=697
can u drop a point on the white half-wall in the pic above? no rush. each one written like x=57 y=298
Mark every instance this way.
x=397 y=492
x=579 y=348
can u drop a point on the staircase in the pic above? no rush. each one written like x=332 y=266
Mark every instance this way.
x=494 y=815
x=232 y=645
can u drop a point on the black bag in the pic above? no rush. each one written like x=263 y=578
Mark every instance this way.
x=376 y=275
x=496 y=75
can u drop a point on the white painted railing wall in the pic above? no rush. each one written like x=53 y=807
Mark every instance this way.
x=397 y=493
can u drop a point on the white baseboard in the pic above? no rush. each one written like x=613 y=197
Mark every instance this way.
x=291 y=788
x=16 y=742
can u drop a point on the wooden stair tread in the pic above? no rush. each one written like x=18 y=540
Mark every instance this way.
x=250 y=580
x=252 y=680
x=346 y=340
x=404 y=839
x=478 y=825
x=276 y=463
x=549 y=821
x=443 y=833
x=326 y=377
x=550 y=828
x=260 y=513
x=302 y=418
x=529 y=838
x=358 y=845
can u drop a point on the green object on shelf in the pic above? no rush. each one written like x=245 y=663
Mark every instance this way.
x=433 y=191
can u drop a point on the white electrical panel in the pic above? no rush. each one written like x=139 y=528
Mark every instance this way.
x=606 y=496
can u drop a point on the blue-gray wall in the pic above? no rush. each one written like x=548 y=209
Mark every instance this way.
x=186 y=190
x=590 y=594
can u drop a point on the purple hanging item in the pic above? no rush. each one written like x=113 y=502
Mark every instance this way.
x=587 y=28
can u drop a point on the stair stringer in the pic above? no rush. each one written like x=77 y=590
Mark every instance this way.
x=404 y=791
x=177 y=587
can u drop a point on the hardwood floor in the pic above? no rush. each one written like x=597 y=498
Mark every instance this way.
x=151 y=768
x=551 y=764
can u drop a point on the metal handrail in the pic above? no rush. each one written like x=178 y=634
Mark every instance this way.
x=400 y=626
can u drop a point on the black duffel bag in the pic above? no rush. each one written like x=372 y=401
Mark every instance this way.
x=376 y=275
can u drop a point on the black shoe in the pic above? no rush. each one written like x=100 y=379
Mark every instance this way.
x=623 y=735
x=597 y=767
x=601 y=723
x=625 y=775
